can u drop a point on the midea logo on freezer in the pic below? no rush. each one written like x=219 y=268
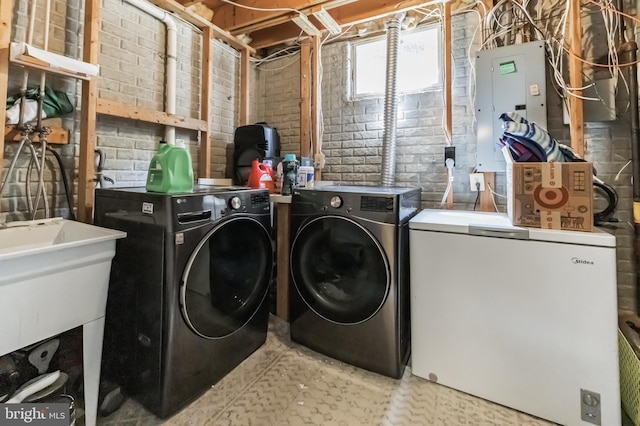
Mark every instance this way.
x=577 y=261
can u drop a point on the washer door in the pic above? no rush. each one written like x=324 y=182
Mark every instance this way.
x=339 y=269
x=227 y=277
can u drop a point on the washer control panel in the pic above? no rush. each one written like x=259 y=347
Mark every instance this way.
x=370 y=203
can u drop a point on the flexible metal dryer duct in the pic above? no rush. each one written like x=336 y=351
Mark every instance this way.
x=391 y=102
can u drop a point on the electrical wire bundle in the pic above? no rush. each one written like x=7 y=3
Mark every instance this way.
x=513 y=22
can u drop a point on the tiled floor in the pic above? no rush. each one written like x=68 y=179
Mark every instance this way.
x=285 y=384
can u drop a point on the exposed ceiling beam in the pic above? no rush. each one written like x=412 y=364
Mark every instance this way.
x=274 y=22
x=356 y=13
x=353 y=13
x=237 y=19
x=275 y=35
x=201 y=9
x=197 y=20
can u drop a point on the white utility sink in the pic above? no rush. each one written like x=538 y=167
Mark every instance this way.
x=54 y=276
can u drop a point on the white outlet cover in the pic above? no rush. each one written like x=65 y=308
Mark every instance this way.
x=476 y=177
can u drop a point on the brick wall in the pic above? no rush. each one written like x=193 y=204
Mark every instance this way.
x=278 y=88
x=139 y=56
x=225 y=110
x=63 y=39
x=132 y=71
x=132 y=46
x=132 y=50
x=353 y=129
x=608 y=147
x=353 y=132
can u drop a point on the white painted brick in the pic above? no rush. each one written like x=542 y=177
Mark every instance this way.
x=149 y=145
x=132 y=71
x=131 y=176
x=141 y=165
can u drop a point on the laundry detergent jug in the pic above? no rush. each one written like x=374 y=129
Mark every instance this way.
x=170 y=170
x=261 y=177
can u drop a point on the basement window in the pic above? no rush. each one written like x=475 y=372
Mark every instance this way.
x=418 y=63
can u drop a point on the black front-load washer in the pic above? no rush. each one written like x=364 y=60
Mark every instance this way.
x=188 y=290
x=350 y=273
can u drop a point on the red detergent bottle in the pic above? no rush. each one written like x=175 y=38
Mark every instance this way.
x=260 y=177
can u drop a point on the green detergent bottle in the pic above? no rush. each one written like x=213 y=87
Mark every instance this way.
x=170 y=170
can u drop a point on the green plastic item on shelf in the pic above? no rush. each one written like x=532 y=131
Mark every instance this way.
x=170 y=170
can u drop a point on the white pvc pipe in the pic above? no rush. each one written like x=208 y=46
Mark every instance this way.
x=25 y=74
x=47 y=17
x=171 y=65
x=43 y=75
x=32 y=21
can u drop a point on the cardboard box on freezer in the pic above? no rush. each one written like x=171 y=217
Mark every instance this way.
x=554 y=195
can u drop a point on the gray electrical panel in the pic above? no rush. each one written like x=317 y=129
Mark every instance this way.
x=508 y=79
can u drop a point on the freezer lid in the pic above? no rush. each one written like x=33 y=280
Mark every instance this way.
x=498 y=225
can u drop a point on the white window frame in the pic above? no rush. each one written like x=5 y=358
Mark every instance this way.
x=377 y=94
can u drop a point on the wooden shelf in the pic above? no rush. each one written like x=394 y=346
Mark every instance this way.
x=118 y=109
x=57 y=136
x=32 y=57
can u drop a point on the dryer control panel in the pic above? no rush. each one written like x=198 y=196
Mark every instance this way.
x=380 y=204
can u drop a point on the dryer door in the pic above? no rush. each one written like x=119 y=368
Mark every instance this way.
x=339 y=269
x=227 y=277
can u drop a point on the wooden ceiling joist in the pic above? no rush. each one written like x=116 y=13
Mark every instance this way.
x=272 y=19
x=232 y=17
x=358 y=12
x=276 y=35
x=346 y=14
x=238 y=19
x=200 y=22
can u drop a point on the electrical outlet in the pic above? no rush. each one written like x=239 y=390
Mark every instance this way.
x=449 y=152
x=474 y=180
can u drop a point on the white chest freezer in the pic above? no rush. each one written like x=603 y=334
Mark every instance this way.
x=523 y=317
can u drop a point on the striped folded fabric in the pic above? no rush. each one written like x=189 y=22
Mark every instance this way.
x=519 y=128
x=523 y=151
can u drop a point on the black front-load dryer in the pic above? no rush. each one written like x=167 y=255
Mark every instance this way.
x=188 y=290
x=350 y=273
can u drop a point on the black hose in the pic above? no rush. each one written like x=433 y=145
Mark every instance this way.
x=100 y=177
x=611 y=194
x=65 y=182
